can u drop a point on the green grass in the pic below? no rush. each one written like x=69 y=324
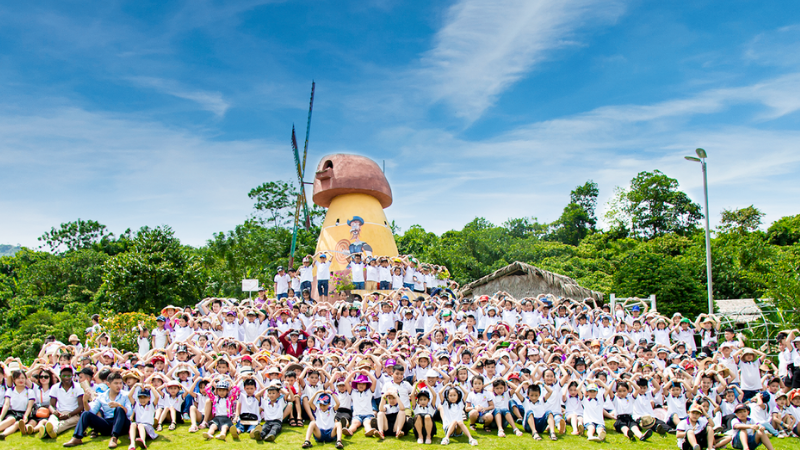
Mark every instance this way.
x=293 y=438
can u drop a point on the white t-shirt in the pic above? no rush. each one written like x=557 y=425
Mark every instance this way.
x=384 y=273
x=306 y=273
x=144 y=414
x=66 y=401
x=451 y=413
x=750 y=375
x=19 y=400
x=144 y=345
x=357 y=270
x=160 y=337
x=403 y=392
x=685 y=425
x=362 y=402
x=593 y=410
x=323 y=270
x=281 y=283
x=479 y=399
x=273 y=411
x=372 y=273
x=325 y=418
x=408 y=276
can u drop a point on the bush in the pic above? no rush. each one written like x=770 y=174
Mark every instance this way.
x=122 y=329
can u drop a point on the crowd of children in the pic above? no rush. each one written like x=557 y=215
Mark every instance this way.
x=416 y=358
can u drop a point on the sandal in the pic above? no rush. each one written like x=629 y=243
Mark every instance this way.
x=501 y=433
x=445 y=441
x=536 y=437
x=473 y=442
x=399 y=434
x=307 y=444
x=339 y=445
x=159 y=428
x=553 y=437
x=172 y=426
x=518 y=432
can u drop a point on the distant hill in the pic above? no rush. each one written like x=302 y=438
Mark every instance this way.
x=8 y=250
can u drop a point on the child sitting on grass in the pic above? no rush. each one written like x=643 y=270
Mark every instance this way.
x=452 y=412
x=424 y=426
x=537 y=419
x=391 y=415
x=502 y=408
x=221 y=406
x=324 y=425
x=144 y=411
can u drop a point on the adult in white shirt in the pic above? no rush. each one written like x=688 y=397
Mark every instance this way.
x=66 y=405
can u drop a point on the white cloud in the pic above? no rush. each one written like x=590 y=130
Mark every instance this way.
x=775 y=48
x=484 y=47
x=213 y=102
x=530 y=171
x=64 y=164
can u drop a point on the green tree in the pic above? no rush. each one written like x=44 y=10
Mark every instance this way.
x=785 y=231
x=643 y=272
x=742 y=221
x=653 y=206
x=156 y=271
x=274 y=200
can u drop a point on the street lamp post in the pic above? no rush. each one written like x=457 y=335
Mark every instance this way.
x=701 y=158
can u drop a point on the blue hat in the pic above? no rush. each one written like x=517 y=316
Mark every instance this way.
x=355 y=219
x=324 y=399
x=161 y=319
x=635 y=308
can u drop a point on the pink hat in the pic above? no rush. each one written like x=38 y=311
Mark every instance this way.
x=361 y=379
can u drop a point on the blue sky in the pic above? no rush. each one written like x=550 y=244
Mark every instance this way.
x=149 y=113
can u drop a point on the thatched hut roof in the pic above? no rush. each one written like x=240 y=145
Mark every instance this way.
x=741 y=310
x=524 y=280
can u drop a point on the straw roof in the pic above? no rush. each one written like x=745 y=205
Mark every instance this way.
x=524 y=280
x=740 y=310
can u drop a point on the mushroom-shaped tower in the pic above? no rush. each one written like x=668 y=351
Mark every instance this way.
x=355 y=191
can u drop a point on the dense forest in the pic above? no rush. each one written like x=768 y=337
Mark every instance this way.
x=654 y=245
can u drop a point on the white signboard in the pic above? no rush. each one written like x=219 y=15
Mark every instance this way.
x=249 y=285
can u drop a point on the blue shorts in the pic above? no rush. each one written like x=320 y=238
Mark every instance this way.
x=358 y=285
x=284 y=295
x=597 y=426
x=751 y=441
x=384 y=285
x=408 y=286
x=324 y=436
x=502 y=412
x=322 y=287
x=305 y=285
x=364 y=419
x=539 y=422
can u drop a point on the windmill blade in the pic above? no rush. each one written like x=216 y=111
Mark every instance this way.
x=305 y=154
x=297 y=159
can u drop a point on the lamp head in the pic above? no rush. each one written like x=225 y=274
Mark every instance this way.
x=701 y=153
x=692 y=158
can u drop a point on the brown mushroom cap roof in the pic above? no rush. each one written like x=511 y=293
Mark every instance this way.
x=347 y=174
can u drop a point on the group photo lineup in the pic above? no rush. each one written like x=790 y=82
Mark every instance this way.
x=385 y=225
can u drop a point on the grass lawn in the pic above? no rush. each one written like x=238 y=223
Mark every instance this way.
x=291 y=437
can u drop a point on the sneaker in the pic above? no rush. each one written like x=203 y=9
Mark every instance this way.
x=445 y=441
x=50 y=430
x=255 y=433
x=271 y=437
x=660 y=429
x=234 y=433
x=593 y=439
x=646 y=435
x=185 y=417
x=420 y=441
x=23 y=430
x=473 y=442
